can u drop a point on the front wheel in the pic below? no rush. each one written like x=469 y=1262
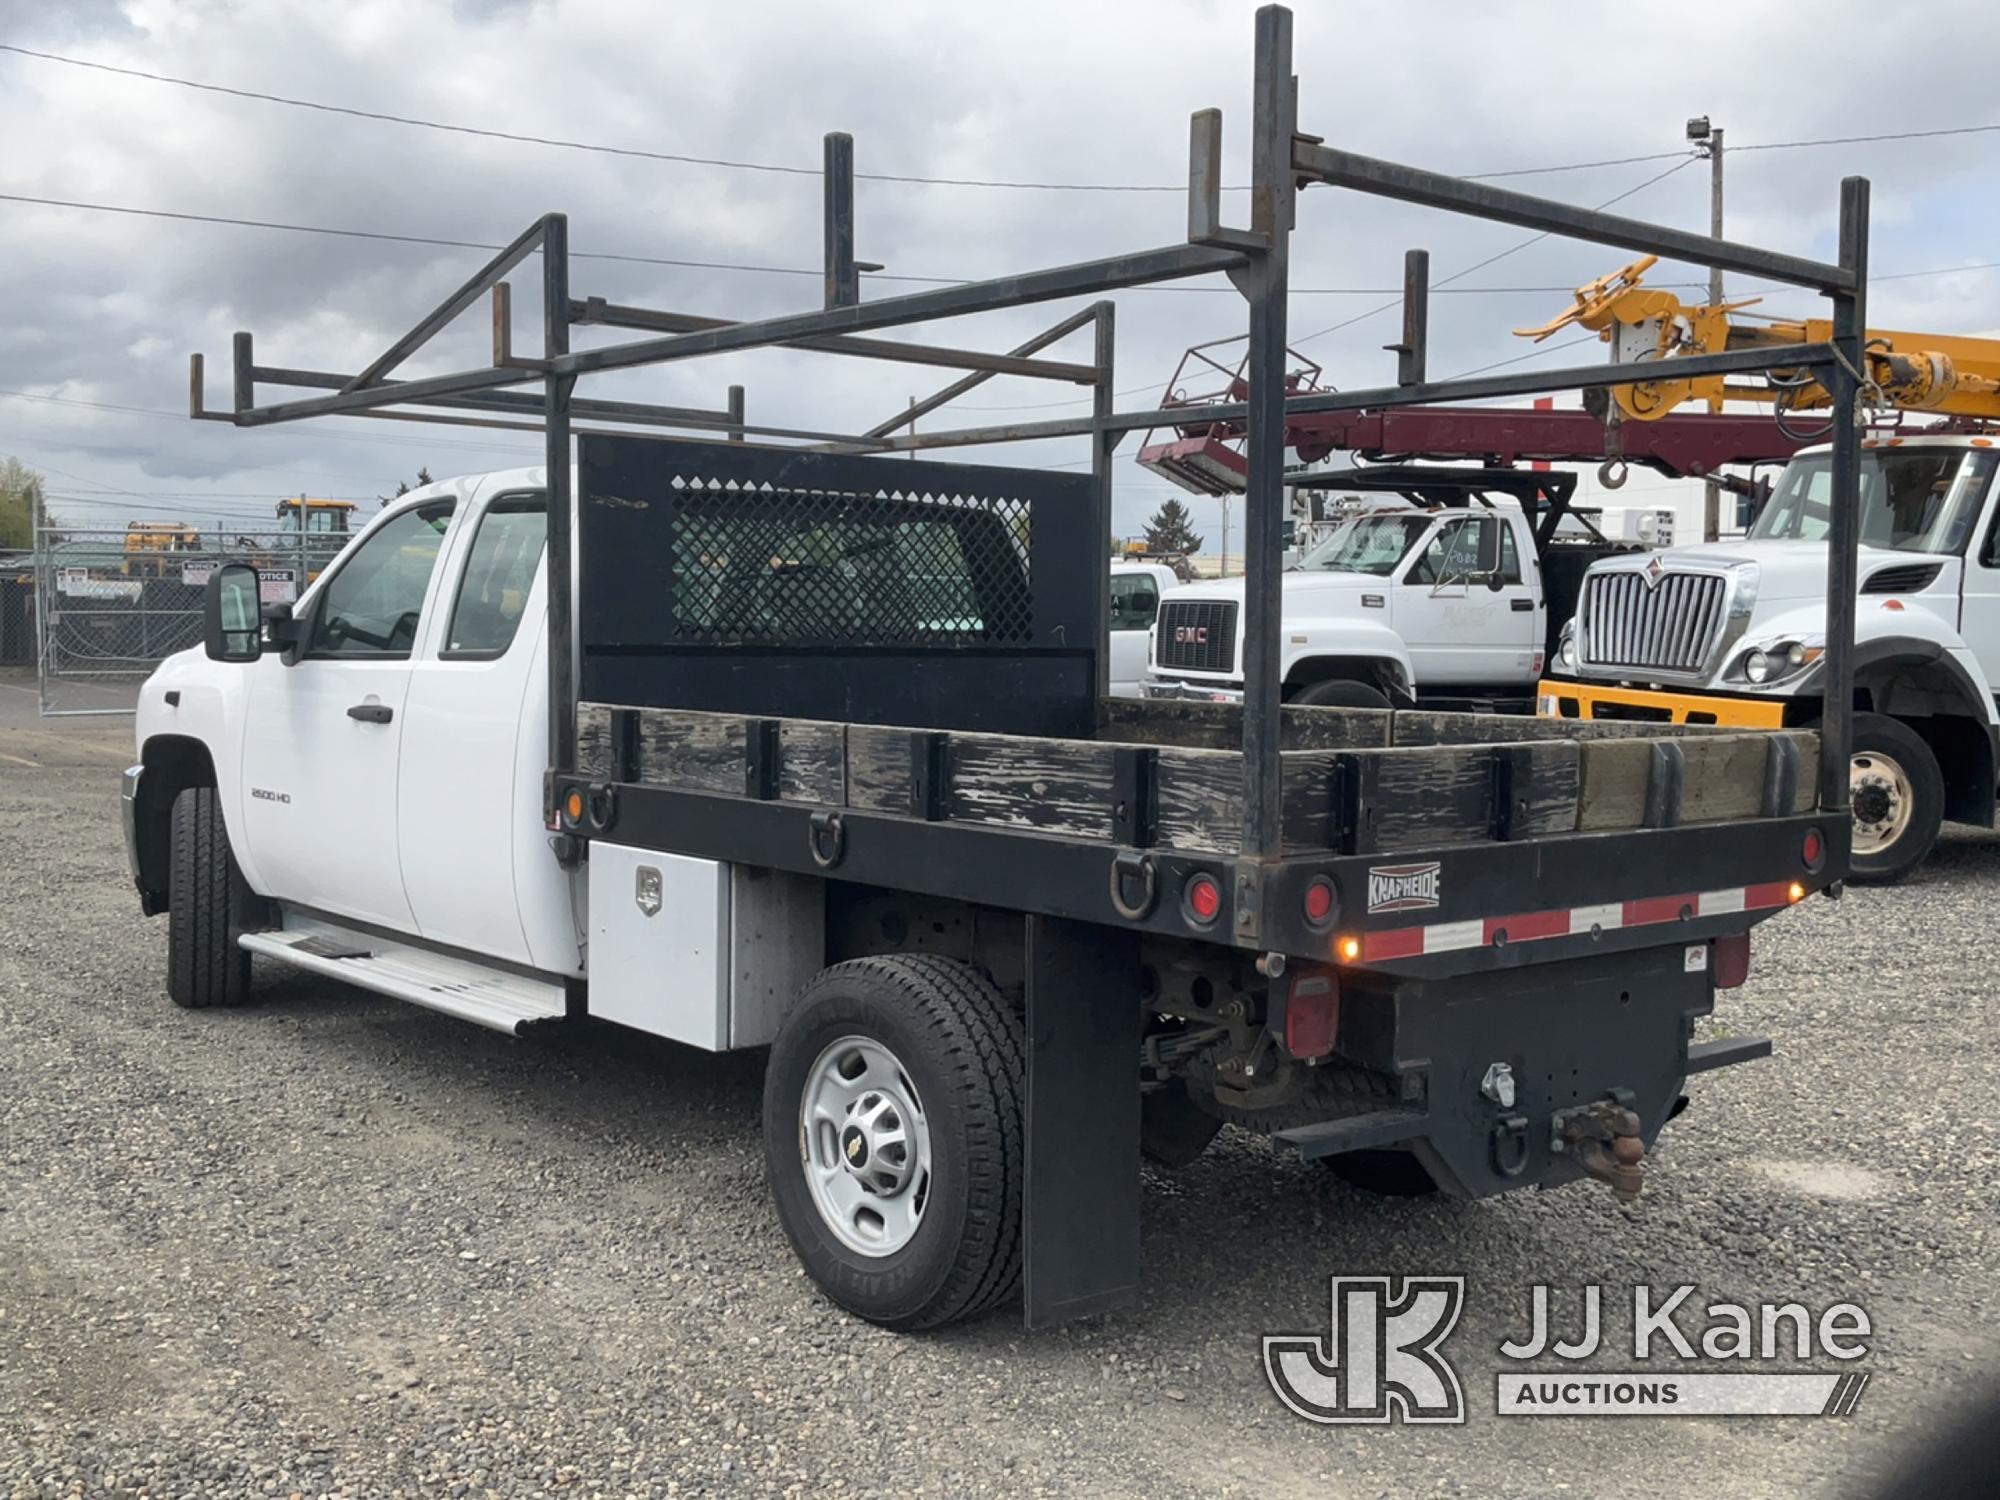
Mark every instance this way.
x=893 y=1135
x=1339 y=692
x=1897 y=794
x=208 y=906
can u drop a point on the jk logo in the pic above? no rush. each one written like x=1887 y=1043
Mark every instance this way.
x=1381 y=1361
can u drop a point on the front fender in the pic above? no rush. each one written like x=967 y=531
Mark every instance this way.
x=1325 y=641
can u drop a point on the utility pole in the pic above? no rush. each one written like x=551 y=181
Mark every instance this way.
x=1223 y=570
x=1708 y=139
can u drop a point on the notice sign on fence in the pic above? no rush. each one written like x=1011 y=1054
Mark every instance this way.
x=274 y=585
x=76 y=583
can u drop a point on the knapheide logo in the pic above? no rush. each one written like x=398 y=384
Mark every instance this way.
x=1380 y=1362
x=1404 y=887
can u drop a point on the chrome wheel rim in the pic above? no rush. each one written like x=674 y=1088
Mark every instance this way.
x=1883 y=799
x=866 y=1146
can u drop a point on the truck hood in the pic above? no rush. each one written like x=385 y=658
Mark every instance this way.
x=1786 y=570
x=1316 y=583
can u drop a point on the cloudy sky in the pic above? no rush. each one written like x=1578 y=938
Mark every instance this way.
x=99 y=310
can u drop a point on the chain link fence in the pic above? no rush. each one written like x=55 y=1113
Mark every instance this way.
x=101 y=609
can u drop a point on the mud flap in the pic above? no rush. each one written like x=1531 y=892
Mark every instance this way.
x=1080 y=1225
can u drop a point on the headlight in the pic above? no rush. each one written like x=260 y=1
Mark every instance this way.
x=1775 y=661
x=1566 y=646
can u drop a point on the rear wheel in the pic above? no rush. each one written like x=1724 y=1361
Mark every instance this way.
x=1897 y=794
x=893 y=1135
x=209 y=905
x=1340 y=692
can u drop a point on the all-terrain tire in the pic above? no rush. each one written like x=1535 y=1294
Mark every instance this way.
x=959 y=1043
x=1339 y=692
x=209 y=905
x=1895 y=768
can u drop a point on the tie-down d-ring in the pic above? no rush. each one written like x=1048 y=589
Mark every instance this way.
x=1135 y=884
x=826 y=837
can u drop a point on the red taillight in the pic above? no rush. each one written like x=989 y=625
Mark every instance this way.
x=1319 y=902
x=1812 y=849
x=1312 y=1012
x=1203 y=898
x=1732 y=960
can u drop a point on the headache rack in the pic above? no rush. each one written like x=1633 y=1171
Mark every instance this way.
x=786 y=650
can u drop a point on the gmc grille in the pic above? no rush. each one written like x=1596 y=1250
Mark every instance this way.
x=1196 y=635
x=1669 y=626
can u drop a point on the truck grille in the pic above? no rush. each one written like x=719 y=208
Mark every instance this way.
x=1196 y=635
x=1670 y=626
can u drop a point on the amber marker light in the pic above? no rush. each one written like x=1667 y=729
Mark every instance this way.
x=1797 y=892
x=1350 y=949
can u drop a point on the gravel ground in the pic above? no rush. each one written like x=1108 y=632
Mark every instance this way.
x=335 y=1245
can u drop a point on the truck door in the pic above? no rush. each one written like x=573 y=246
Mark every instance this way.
x=1135 y=601
x=322 y=737
x=473 y=848
x=1979 y=608
x=1460 y=630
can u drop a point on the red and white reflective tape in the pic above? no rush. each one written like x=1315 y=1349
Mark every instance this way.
x=1572 y=921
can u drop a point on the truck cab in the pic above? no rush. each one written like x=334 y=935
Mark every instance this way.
x=396 y=725
x=1137 y=586
x=1735 y=633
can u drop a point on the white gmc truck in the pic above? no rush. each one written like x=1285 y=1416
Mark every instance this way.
x=1734 y=634
x=1396 y=606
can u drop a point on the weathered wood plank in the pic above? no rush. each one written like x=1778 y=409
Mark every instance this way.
x=1022 y=781
x=812 y=761
x=1200 y=800
x=1430 y=797
x=593 y=740
x=1805 y=796
x=878 y=768
x=1547 y=803
x=1219 y=726
x=1723 y=777
x=1418 y=726
x=1614 y=775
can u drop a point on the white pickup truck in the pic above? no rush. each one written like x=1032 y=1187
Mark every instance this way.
x=1405 y=606
x=1136 y=590
x=1733 y=633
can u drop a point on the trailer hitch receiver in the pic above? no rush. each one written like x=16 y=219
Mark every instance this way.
x=1604 y=1139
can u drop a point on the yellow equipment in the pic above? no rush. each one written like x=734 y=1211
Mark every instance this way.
x=298 y=513
x=1915 y=371
x=150 y=545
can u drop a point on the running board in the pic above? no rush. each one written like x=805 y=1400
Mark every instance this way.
x=456 y=986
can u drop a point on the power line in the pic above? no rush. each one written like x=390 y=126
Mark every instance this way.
x=699 y=265
x=688 y=159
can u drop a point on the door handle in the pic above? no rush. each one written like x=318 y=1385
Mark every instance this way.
x=1522 y=606
x=372 y=713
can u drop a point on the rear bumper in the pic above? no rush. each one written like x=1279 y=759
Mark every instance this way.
x=1565 y=698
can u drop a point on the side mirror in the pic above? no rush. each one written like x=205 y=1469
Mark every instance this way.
x=1488 y=561
x=231 y=622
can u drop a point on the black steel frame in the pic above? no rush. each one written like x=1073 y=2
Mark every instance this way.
x=1256 y=260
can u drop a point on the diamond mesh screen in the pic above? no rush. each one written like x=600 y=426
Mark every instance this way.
x=771 y=565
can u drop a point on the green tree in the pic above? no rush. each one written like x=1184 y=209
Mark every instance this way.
x=20 y=503
x=403 y=486
x=1171 y=530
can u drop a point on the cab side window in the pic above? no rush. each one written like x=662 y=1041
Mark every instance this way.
x=1450 y=554
x=493 y=592
x=372 y=605
x=1135 y=600
x=1510 y=556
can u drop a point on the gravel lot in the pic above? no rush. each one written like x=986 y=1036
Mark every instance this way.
x=334 y=1245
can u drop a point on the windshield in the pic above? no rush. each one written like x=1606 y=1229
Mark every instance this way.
x=1912 y=500
x=1369 y=544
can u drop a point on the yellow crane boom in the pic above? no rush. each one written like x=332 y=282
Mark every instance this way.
x=1934 y=372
